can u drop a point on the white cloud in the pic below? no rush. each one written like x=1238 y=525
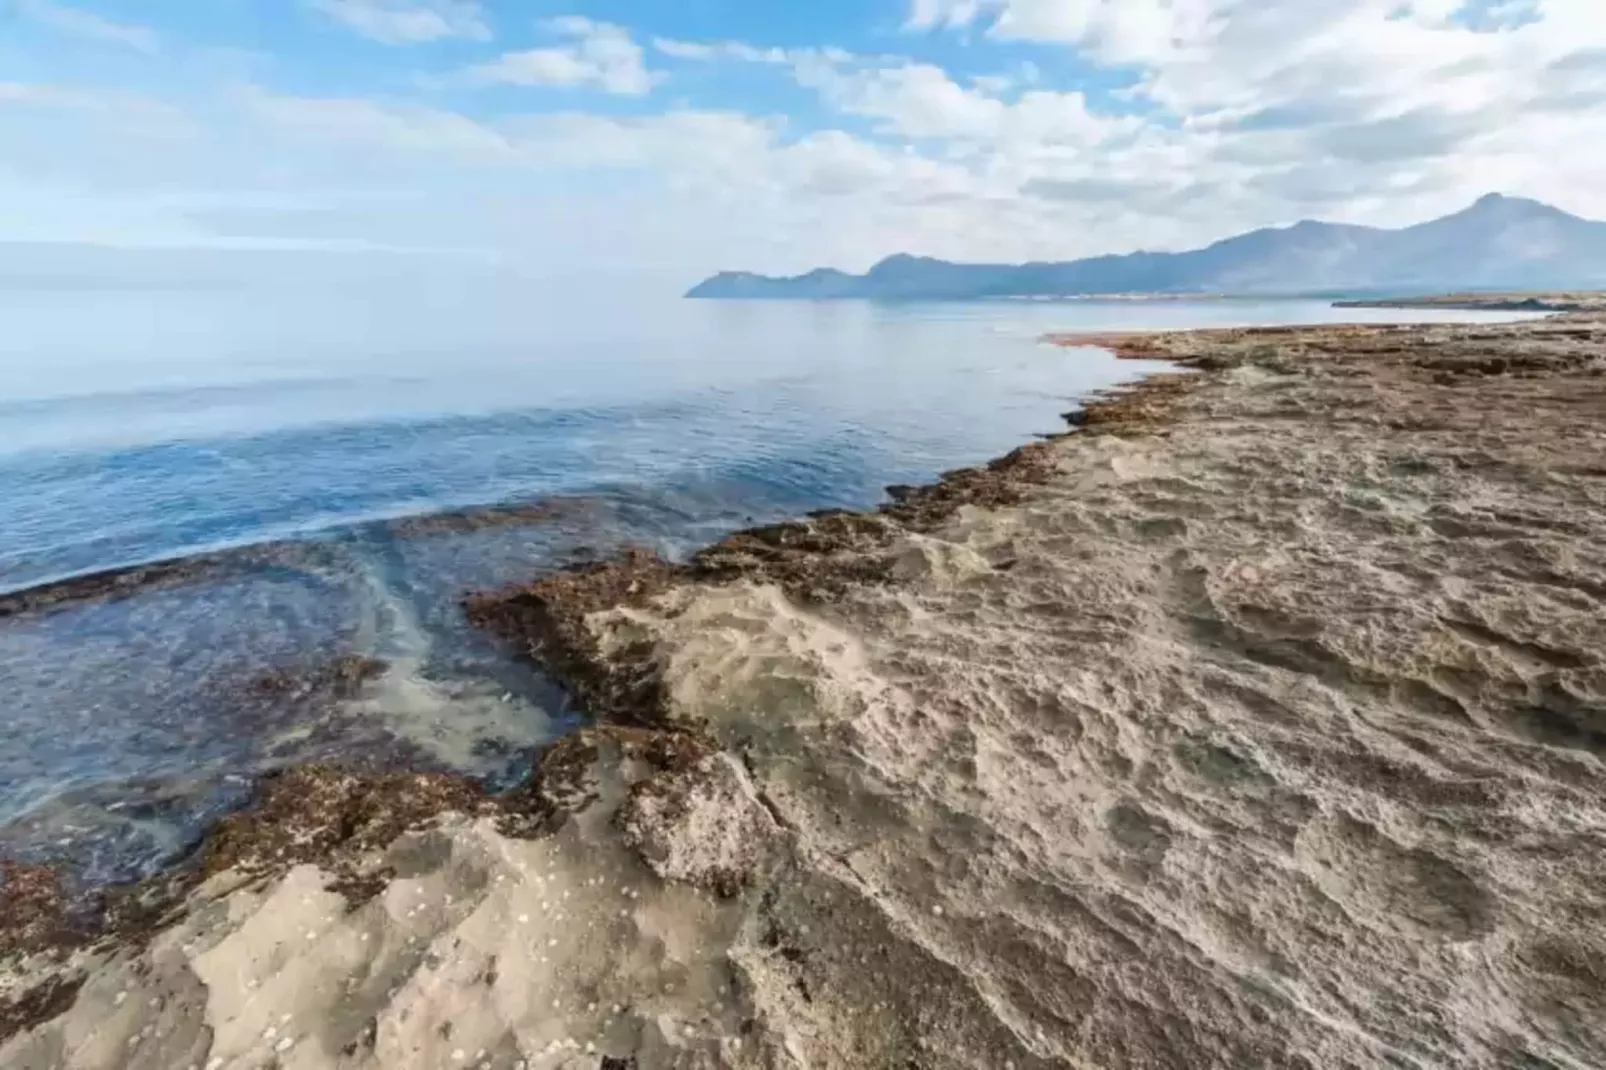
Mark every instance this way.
x=599 y=55
x=408 y=22
x=356 y=123
x=130 y=114
x=937 y=14
x=921 y=101
x=835 y=164
x=90 y=27
x=1196 y=56
x=684 y=192
x=702 y=52
x=689 y=50
x=716 y=152
x=1239 y=114
x=914 y=100
x=679 y=146
x=1373 y=110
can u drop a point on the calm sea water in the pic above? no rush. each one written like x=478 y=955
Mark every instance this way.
x=137 y=426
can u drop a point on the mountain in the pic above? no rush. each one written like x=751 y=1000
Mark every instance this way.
x=1497 y=242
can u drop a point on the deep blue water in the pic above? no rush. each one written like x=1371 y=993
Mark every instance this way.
x=137 y=426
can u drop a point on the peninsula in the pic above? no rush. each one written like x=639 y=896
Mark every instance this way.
x=1498 y=243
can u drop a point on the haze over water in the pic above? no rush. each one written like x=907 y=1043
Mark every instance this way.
x=138 y=424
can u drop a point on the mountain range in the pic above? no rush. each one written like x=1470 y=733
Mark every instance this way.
x=1498 y=242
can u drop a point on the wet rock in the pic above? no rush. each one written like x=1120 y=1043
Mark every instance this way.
x=317 y=813
x=38 y=1003
x=110 y=585
x=546 y=620
x=701 y=825
x=33 y=908
x=483 y=518
x=339 y=678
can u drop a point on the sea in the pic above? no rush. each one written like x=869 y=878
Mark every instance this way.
x=332 y=452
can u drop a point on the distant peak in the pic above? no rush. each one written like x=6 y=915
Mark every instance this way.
x=1491 y=202
x=901 y=258
x=1502 y=208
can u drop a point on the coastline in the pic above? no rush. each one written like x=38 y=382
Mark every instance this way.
x=1579 y=301
x=1010 y=769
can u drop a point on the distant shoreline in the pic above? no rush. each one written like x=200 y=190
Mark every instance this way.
x=1580 y=301
x=1468 y=249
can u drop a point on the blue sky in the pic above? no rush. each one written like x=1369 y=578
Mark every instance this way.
x=615 y=136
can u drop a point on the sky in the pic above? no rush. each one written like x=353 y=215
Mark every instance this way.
x=641 y=138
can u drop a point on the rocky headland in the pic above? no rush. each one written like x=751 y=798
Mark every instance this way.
x=1257 y=721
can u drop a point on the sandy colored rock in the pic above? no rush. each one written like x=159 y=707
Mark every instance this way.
x=1258 y=723
x=479 y=950
x=704 y=827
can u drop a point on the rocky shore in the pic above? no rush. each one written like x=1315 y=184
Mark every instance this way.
x=1258 y=721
